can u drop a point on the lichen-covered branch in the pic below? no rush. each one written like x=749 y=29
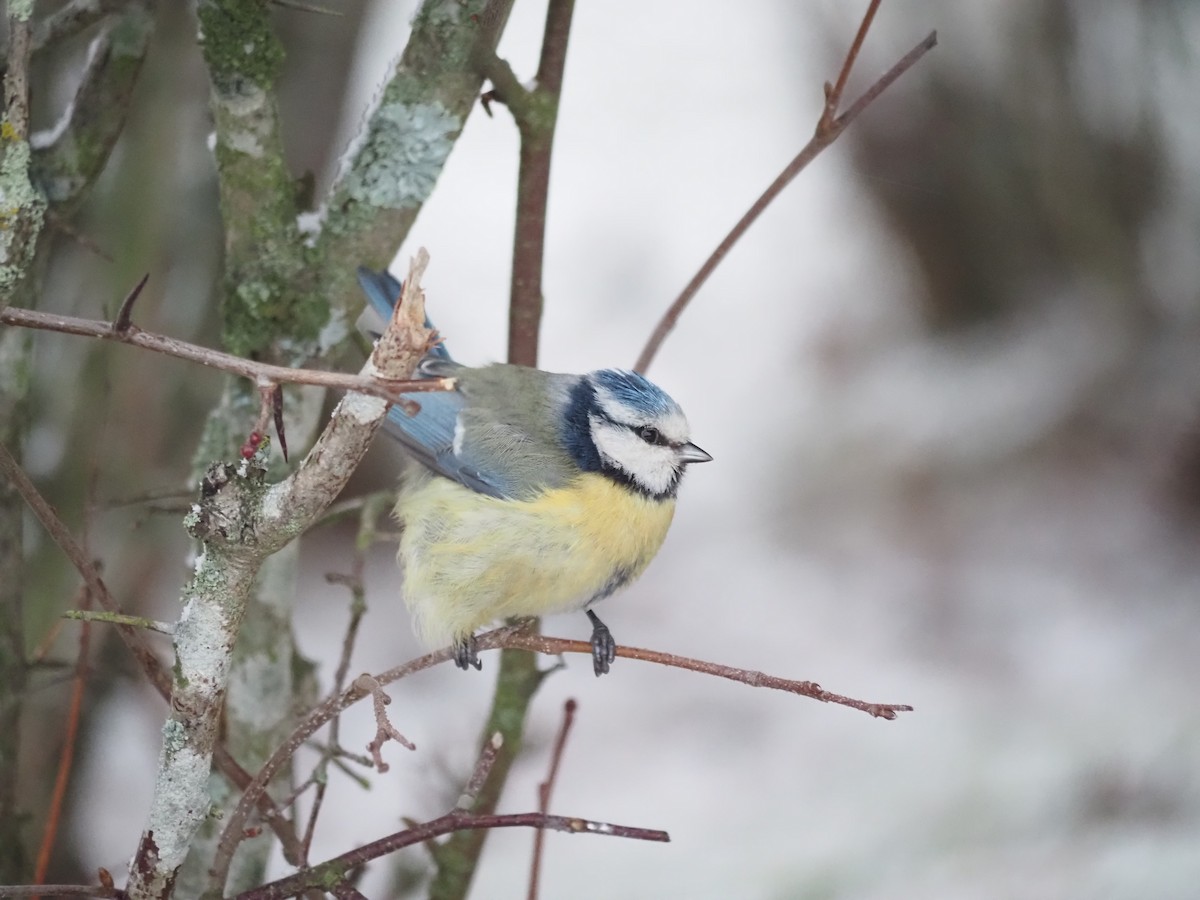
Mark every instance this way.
x=286 y=294
x=68 y=157
x=240 y=520
x=392 y=167
x=271 y=309
x=21 y=210
x=22 y=205
x=72 y=18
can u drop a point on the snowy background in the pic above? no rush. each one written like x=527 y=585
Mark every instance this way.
x=989 y=514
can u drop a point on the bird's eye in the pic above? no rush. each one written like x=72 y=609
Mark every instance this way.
x=650 y=434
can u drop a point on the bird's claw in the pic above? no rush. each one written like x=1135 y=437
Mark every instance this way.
x=604 y=648
x=465 y=654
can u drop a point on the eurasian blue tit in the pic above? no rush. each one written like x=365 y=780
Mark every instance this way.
x=530 y=492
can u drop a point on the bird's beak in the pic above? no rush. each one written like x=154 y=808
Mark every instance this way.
x=690 y=453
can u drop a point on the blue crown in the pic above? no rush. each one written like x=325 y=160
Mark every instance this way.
x=634 y=391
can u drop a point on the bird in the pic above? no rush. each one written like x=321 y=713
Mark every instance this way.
x=528 y=492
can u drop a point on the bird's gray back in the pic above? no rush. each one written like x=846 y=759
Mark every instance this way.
x=512 y=423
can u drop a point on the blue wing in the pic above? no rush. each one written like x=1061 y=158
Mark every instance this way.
x=429 y=434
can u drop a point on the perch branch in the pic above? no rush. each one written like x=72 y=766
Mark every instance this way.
x=520 y=636
x=553 y=646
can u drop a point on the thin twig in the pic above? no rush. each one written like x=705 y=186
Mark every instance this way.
x=150 y=664
x=369 y=509
x=480 y=774
x=91 y=615
x=833 y=94
x=384 y=729
x=70 y=733
x=225 y=362
x=57 y=890
x=447 y=824
x=519 y=636
x=545 y=789
x=315 y=720
x=125 y=314
x=829 y=128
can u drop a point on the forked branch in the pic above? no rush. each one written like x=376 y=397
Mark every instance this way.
x=829 y=127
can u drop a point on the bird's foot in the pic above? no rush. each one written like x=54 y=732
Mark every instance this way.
x=604 y=648
x=466 y=655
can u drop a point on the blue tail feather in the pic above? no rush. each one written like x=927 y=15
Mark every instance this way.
x=383 y=290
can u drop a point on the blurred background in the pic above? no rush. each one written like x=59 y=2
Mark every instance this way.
x=950 y=381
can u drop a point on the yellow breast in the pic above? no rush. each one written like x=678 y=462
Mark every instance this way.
x=470 y=559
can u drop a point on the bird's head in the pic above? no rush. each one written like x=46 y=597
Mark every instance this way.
x=624 y=426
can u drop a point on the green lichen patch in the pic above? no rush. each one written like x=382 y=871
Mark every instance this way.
x=403 y=156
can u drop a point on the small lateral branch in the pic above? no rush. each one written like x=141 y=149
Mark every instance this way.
x=454 y=821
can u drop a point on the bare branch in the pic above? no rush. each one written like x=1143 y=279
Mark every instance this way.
x=829 y=128
x=89 y=615
x=554 y=646
x=69 y=156
x=67 y=758
x=150 y=664
x=71 y=19
x=16 y=75
x=369 y=509
x=384 y=729
x=58 y=890
x=314 y=721
x=447 y=824
x=833 y=94
x=537 y=124
x=521 y=636
x=545 y=789
x=373 y=386
x=481 y=772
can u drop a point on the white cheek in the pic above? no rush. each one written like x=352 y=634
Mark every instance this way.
x=651 y=466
